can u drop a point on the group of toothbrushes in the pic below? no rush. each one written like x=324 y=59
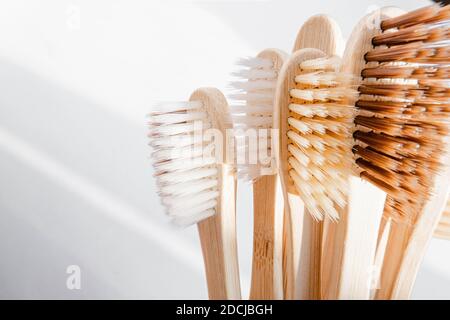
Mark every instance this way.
x=352 y=171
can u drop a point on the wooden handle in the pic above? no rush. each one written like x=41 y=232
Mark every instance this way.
x=267 y=280
x=320 y=32
x=422 y=233
x=350 y=245
x=218 y=233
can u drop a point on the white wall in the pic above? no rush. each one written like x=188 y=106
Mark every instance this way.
x=76 y=186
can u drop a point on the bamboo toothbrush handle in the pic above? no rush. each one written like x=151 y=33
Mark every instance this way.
x=267 y=271
x=219 y=245
x=218 y=233
x=320 y=32
x=292 y=234
x=309 y=273
x=267 y=280
x=421 y=236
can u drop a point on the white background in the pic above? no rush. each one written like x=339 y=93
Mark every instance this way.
x=77 y=79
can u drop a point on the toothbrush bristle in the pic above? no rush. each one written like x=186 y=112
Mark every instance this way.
x=187 y=181
x=252 y=109
x=404 y=108
x=319 y=129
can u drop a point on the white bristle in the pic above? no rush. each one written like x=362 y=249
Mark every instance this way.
x=299 y=140
x=255 y=74
x=178 y=106
x=183 y=164
x=170 y=141
x=320 y=64
x=191 y=212
x=255 y=63
x=320 y=126
x=326 y=94
x=187 y=179
x=185 y=152
x=260 y=109
x=180 y=202
x=190 y=187
x=302 y=171
x=299 y=155
x=252 y=122
x=192 y=173
x=254 y=85
x=173 y=129
x=326 y=79
x=194 y=218
x=265 y=97
x=172 y=118
x=254 y=95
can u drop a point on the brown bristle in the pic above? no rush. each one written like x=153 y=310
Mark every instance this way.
x=423 y=15
x=387 y=90
x=380 y=183
x=411 y=34
x=376 y=158
x=412 y=52
x=404 y=108
x=383 y=108
x=387 y=72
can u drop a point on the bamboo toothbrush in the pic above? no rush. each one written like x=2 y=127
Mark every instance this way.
x=443 y=229
x=197 y=186
x=315 y=151
x=252 y=116
x=350 y=257
x=403 y=107
x=430 y=44
x=330 y=42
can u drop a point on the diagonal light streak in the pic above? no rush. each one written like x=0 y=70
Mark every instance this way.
x=101 y=199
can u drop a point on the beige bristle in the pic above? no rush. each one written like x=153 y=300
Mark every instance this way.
x=404 y=107
x=319 y=131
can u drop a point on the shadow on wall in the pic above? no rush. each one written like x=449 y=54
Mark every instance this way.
x=77 y=189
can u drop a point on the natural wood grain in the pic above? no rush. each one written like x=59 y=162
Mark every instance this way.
x=351 y=243
x=320 y=32
x=218 y=233
x=383 y=237
x=292 y=235
x=267 y=277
